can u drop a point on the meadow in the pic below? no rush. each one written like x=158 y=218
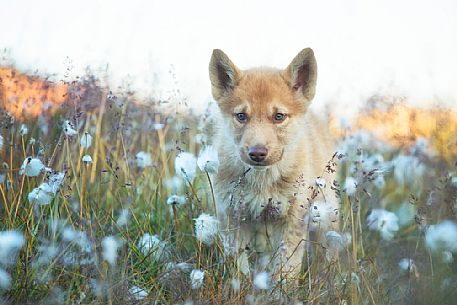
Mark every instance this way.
x=109 y=201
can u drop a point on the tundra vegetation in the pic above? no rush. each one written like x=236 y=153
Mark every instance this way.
x=108 y=201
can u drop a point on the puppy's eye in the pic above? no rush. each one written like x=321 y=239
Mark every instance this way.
x=241 y=117
x=279 y=117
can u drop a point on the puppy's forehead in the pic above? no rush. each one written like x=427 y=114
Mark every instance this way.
x=261 y=85
x=263 y=89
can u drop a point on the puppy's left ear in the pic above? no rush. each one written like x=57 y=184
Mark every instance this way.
x=223 y=73
x=301 y=75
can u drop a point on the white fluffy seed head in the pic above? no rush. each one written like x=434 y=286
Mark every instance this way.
x=41 y=195
x=350 y=186
x=31 y=167
x=86 y=140
x=87 y=159
x=10 y=243
x=196 y=278
x=151 y=243
x=5 y=279
x=138 y=293
x=143 y=159
x=320 y=182
x=208 y=160
x=262 y=280
x=206 y=229
x=442 y=236
x=68 y=129
x=186 y=166
x=385 y=222
x=110 y=246
x=176 y=200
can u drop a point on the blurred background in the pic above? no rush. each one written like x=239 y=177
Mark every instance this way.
x=364 y=48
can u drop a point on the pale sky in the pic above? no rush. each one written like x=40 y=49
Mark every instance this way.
x=363 y=47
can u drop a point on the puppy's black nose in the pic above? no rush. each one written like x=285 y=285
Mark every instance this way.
x=258 y=153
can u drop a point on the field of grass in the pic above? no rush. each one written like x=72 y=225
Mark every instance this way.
x=107 y=231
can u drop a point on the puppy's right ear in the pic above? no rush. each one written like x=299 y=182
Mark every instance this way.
x=224 y=75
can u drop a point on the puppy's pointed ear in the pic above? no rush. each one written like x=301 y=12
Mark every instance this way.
x=301 y=74
x=224 y=75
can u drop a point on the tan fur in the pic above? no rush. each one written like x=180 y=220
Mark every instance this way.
x=265 y=208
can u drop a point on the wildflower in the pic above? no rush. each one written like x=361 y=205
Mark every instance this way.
x=176 y=200
x=5 y=279
x=406 y=264
x=41 y=195
x=32 y=167
x=206 y=228
x=322 y=215
x=320 y=182
x=383 y=221
x=10 y=243
x=110 y=245
x=336 y=240
x=151 y=243
x=350 y=186
x=236 y=284
x=1 y=141
x=24 y=130
x=143 y=159
x=442 y=236
x=87 y=159
x=68 y=129
x=208 y=160
x=138 y=293
x=406 y=214
x=186 y=165
x=196 y=278
x=123 y=218
x=55 y=181
x=262 y=280
x=86 y=140
x=407 y=169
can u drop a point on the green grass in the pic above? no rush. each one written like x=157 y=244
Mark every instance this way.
x=93 y=196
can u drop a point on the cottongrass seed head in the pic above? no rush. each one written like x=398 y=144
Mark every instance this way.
x=31 y=167
x=143 y=159
x=442 y=236
x=196 y=278
x=110 y=246
x=186 y=165
x=5 y=279
x=206 y=229
x=262 y=280
x=385 y=222
x=176 y=200
x=87 y=159
x=68 y=129
x=86 y=140
x=208 y=160
x=138 y=293
x=151 y=243
x=10 y=243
